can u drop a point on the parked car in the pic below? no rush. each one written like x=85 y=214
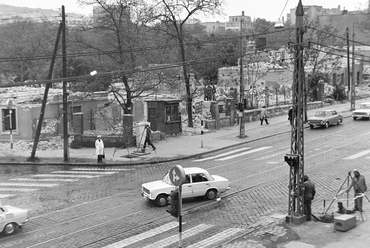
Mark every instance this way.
x=362 y=112
x=325 y=118
x=198 y=183
x=12 y=218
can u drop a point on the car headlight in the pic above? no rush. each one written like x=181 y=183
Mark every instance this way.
x=322 y=122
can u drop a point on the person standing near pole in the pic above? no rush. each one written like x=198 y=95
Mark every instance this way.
x=99 y=146
x=359 y=185
x=309 y=194
x=290 y=115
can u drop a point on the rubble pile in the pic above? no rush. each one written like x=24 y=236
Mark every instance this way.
x=53 y=143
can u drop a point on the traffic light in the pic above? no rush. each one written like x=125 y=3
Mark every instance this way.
x=173 y=200
x=292 y=159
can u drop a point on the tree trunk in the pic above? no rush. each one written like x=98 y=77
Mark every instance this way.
x=128 y=106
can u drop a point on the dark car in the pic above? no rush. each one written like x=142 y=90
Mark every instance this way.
x=325 y=118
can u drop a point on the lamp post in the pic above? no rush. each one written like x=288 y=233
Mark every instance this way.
x=241 y=105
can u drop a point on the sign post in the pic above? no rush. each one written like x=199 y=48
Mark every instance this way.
x=177 y=177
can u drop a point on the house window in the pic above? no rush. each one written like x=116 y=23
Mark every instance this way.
x=76 y=109
x=172 y=113
x=8 y=119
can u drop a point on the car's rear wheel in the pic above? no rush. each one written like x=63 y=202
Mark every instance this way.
x=326 y=124
x=10 y=228
x=161 y=200
x=211 y=194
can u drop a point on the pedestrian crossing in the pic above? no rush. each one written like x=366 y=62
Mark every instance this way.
x=234 y=154
x=149 y=238
x=245 y=151
x=23 y=184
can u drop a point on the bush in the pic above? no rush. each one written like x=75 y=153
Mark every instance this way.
x=339 y=94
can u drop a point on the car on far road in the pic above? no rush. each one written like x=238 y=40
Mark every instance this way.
x=325 y=118
x=12 y=218
x=198 y=182
x=362 y=112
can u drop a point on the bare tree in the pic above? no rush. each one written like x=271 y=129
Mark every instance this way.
x=171 y=17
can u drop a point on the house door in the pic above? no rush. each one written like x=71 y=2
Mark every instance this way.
x=152 y=118
x=78 y=123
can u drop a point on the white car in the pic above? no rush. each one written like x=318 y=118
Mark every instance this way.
x=363 y=111
x=198 y=183
x=12 y=218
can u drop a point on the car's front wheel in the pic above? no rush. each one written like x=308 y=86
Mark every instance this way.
x=9 y=229
x=326 y=124
x=211 y=194
x=354 y=118
x=161 y=200
x=311 y=126
x=339 y=121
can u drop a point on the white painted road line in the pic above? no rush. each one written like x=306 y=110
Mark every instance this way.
x=100 y=169
x=65 y=175
x=6 y=195
x=85 y=172
x=217 y=238
x=47 y=185
x=174 y=238
x=43 y=179
x=357 y=155
x=17 y=189
x=144 y=235
x=244 y=153
x=222 y=155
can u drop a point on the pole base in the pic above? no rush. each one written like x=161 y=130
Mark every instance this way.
x=242 y=136
x=297 y=220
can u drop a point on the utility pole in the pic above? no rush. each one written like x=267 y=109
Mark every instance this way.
x=353 y=84
x=65 y=94
x=241 y=105
x=45 y=98
x=348 y=68
x=296 y=158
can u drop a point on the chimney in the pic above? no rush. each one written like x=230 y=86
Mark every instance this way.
x=242 y=13
x=338 y=7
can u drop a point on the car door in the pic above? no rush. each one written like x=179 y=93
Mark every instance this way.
x=200 y=184
x=187 y=187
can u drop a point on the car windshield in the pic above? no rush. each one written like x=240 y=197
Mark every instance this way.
x=320 y=114
x=166 y=178
x=365 y=106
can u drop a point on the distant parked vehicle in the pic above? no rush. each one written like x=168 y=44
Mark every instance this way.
x=362 y=112
x=12 y=218
x=198 y=183
x=325 y=118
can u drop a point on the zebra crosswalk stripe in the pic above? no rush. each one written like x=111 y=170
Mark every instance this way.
x=84 y=172
x=144 y=235
x=244 y=153
x=6 y=195
x=24 y=179
x=46 y=185
x=217 y=238
x=222 y=155
x=172 y=239
x=357 y=155
x=64 y=175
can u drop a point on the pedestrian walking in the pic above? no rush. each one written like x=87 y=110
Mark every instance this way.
x=264 y=115
x=290 y=115
x=359 y=185
x=148 y=138
x=309 y=194
x=99 y=146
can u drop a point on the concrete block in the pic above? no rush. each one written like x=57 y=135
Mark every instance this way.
x=344 y=222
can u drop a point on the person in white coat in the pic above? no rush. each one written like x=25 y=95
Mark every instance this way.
x=99 y=145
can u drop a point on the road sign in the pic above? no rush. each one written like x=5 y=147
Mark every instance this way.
x=177 y=175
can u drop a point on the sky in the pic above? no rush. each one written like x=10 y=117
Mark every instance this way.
x=270 y=10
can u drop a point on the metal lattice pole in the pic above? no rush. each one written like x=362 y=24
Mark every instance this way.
x=296 y=204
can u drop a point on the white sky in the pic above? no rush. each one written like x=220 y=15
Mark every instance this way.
x=268 y=9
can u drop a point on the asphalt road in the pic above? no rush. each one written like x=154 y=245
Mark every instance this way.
x=102 y=206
